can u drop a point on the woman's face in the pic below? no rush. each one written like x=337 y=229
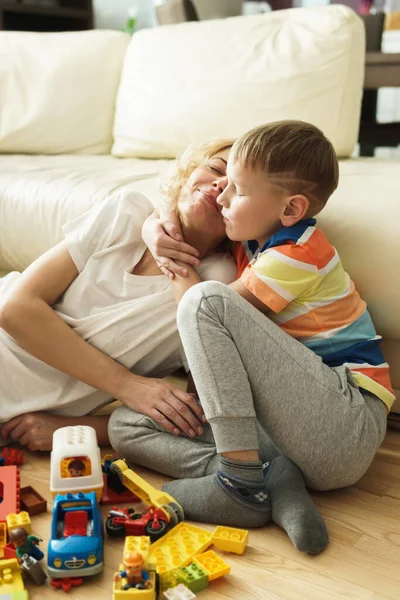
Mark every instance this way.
x=197 y=205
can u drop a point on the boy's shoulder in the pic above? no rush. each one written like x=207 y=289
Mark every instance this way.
x=303 y=245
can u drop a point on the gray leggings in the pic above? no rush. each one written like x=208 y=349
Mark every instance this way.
x=255 y=380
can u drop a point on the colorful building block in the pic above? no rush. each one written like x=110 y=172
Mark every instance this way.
x=10 y=578
x=22 y=519
x=230 y=539
x=9 y=491
x=32 y=502
x=178 y=547
x=3 y=538
x=9 y=551
x=112 y=497
x=12 y=456
x=180 y=592
x=212 y=564
x=139 y=544
x=194 y=577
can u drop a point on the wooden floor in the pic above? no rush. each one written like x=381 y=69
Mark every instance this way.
x=362 y=561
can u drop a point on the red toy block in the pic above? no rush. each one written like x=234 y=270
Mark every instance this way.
x=112 y=498
x=66 y=583
x=32 y=502
x=13 y=457
x=9 y=491
x=10 y=552
x=75 y=523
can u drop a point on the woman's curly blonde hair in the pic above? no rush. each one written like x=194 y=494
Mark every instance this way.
x=194 y=156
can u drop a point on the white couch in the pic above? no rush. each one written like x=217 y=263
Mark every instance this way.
x=85 y=114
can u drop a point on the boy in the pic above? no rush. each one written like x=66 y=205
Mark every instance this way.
x=291 y=347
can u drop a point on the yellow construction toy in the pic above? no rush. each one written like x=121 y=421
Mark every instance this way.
x=178 y=547
x=11 y=579
x=135 y=546
x=147 y=493
x=22 y=519
x=230 y=539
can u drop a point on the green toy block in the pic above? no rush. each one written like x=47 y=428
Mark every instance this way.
x=23 y=595
x=194 y=577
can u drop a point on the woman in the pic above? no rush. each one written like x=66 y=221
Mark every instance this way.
x=77 y=321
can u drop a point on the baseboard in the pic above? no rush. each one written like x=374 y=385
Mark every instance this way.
x=394 y=421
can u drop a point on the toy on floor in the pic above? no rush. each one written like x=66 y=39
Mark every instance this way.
x=76 y=543
x=124 y=521
x=122 y=589
x=180 y=592
x=9 y=491
x=156 y=499
x=75 y=464
x=134 y=573
x=33 y=569
x=11 y=456
x=32 y=502
x=114 y=492
x=25 y=543
x=11 y=583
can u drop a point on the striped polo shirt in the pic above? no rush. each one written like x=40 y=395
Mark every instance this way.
x=300 y=277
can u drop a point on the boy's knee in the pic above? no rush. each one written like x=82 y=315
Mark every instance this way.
x=192 y=301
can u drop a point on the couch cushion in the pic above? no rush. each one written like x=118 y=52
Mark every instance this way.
x=216 y=79
x=362 y=221
x=57 y=90
x=38 y=194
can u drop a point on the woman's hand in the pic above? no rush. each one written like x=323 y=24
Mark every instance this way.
x=163 y=237
x=168 y=405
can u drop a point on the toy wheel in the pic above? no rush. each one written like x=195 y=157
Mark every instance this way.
x=114 y=530
x=156 y=533
x=175 y=511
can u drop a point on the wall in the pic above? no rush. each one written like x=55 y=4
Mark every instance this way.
x=112 y=14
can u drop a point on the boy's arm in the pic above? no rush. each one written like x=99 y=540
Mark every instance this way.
x=163 y=236
x=242 y=290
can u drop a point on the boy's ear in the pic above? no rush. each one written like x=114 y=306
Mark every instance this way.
x=294 y=209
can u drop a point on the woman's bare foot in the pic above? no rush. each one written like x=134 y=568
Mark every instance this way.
x=35 y=430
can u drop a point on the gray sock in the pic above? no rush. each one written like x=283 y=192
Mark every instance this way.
x=236 y=495
x=292 y=507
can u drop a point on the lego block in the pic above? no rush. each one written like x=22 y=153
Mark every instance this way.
x=32 y=502
x=9 y=551
x=194 y=577
x=230 y=539
x=178 y=547
x=11 y=456
x=33 y=569
x=139 y=544
x=3 y=536
x=180 y=592
x=22 y=519
x=10 y=577
x=112 y=497
x=9 y=490
x=212 y=564
x=20 y=595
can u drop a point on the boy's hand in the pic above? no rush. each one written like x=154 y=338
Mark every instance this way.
x=163 y=237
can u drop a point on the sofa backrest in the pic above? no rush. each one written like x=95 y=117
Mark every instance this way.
x=57 y=91
x=216 y=79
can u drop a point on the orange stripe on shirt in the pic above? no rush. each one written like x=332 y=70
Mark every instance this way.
x=337 y=314
x=320 y=250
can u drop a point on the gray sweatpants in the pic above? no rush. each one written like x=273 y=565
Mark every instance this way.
x=255 y=380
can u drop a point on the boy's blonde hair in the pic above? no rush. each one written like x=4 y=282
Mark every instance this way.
x=295 y=156
x=194 y=156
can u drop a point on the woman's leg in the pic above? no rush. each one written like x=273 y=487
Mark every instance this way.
x=246 y=368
